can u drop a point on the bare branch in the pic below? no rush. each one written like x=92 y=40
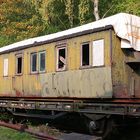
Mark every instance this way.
x=108 y=10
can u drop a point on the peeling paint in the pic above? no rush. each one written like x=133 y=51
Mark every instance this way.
x=92 y=82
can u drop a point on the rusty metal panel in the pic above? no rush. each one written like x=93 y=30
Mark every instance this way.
x=119 y=77
x=125 y=71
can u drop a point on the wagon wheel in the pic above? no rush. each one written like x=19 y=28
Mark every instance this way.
x=100 y=127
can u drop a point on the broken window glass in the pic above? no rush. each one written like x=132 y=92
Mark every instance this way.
x=61 y=58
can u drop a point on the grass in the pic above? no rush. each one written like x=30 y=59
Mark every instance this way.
x=10 y=134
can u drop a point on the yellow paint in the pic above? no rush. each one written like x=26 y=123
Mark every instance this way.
x=33 y=84
x=37 y=86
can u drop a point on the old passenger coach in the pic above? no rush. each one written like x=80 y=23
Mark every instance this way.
x=93 y=69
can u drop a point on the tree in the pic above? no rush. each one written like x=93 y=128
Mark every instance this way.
x=128 y=6
x=61 y=15
x=56 y=18
x=85 y=11
x=70 y=11
x=19 y=20
x=96 y=12
x=108 y=8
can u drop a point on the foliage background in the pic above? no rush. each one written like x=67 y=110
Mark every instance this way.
x=22 y=19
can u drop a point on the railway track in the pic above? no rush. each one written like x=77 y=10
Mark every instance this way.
x=24 y=128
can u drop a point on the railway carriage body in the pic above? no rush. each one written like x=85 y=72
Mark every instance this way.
x=89 y=65
x=95 y=65
x=74 y=79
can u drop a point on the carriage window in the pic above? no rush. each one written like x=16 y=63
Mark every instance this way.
x=19 y=64
x=42 y=62
x=98 y=52
x=34 y=62
x=61 y=58
x=85 y=54
x=5 y=67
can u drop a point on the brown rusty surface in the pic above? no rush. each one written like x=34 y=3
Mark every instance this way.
x=13 y=126
x=136 y=101
x=120 y=91
x=74 y=100
x=137 y=93
x=137 y=55
x=18 y=93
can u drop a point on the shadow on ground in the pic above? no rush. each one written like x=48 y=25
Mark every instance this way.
x=125 y=133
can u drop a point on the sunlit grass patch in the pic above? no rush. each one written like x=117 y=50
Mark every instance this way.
x=9 y=134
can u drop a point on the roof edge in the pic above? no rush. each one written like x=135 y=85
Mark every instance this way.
x=58 y=39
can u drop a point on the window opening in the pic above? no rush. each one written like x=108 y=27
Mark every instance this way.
x=34 y=62
x=42 y=56
x=19 y=65
x=61 y=60
x=98 y=52
x=85 y=54
x=5 y=65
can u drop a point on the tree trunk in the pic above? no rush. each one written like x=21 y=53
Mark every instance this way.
x=70 y=11
x=96 y=12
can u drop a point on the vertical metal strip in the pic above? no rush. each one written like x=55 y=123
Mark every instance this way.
x=110 y=31
x=132 y=86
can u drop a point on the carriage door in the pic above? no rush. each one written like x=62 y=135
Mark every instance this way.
x=134 y=77
x=17 y=80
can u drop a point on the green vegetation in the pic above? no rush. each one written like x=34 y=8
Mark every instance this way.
x=18 y=20
x=9 y=134
x=22 y=19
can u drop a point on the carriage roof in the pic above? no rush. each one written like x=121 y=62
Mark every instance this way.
x=126 y=26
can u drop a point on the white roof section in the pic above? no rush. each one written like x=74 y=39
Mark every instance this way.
x=126 y=26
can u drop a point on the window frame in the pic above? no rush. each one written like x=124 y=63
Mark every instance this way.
x=81 y=55
x=19 y=56
x=60 y=47
x=31 y=66
x=39 y=56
